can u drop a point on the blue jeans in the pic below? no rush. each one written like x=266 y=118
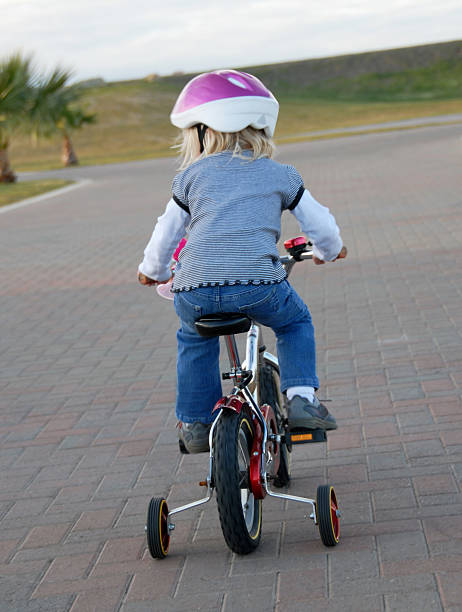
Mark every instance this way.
x=277 y=306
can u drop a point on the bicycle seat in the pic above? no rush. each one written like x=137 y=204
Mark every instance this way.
x=222 y=324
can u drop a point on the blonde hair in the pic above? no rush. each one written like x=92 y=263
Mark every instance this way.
x=248 y=139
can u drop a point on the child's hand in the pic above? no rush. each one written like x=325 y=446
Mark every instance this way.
x=145 y=280
x=341 y=255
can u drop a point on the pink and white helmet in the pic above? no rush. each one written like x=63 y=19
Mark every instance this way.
x=226 y=101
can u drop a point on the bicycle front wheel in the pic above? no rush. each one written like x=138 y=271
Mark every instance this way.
x=240 y=513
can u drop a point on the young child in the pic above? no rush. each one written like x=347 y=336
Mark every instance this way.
x=229 y=197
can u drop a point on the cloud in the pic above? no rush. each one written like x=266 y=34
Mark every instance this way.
x=118 y=39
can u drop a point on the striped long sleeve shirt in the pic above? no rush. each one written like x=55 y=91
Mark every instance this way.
x=231 y=209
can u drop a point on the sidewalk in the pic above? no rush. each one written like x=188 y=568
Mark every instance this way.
x=87 y=379
x=454 y=119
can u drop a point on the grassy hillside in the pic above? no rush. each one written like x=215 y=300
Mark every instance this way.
x=296 y=78
x=316 y=94
x=440 y=81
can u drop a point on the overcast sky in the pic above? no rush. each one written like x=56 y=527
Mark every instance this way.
x=122 y=39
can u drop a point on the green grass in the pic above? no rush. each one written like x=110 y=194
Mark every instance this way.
x=14 y=192
x=330 y=93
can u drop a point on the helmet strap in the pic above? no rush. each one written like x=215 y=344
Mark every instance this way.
x=201 y=129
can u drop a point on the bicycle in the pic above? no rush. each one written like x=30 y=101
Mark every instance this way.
x=249 y=441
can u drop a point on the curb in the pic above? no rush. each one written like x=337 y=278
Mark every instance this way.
x=45 y=196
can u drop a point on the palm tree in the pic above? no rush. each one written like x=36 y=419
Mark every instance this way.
x=54 y=110
x=16 y=83
x=39 y=105
x=72 y=119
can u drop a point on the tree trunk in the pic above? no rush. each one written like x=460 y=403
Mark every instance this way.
x=68 y=157
x=6 y=173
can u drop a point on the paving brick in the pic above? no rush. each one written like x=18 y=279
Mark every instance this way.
x=415 y=419
x=442 y=529
x=49 y=552
x=122 y=549
x=424 y=602
x=408 y=567
x=206 y=602
x=447 y=407
x=45 y=535
x=347 y=440
x=439 y=483
x=395 y=498
x=402 y=545
x=151 y=587
x=419 y=449
x=136 y=448
x=439 y=384
x=26 y=508
x=348 y=566
x=449 y=585
x=407 y=392
x=341 y=475
x=6 y=548
x=297 y=585
x=385 y=585
x=96 y=519
x=363 y=603
x=69 y=568
x=387 y=461
x=377 y=430
x=452 y=437
x=258 y=600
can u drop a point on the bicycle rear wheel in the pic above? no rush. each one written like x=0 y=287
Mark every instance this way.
x=240 y=513
x=269 y=394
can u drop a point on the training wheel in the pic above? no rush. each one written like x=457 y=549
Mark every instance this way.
x=328 y=515
x=157 y=528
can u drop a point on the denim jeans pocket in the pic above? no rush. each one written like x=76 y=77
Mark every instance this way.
x=263 y=300
x=186 y=309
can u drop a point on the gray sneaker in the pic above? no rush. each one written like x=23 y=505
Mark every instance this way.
x=194 y=436
x=304 y=414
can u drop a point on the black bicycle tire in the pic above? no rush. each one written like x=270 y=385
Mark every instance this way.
x=157 y=534
x=269 y=394
x=238 y=536
x=330 y=533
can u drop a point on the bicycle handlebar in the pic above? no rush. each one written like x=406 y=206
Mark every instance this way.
x=298 y=251
x=288 y=261
x=285 y=259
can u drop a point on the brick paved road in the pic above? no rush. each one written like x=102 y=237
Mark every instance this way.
x=87 y=429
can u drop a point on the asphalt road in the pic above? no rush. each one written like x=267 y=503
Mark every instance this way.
x=87 y=384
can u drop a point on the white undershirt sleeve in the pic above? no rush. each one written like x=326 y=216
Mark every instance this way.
x=320 y=226
x=169 y=230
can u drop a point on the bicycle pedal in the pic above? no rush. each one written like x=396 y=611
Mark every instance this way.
x=306 y=436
